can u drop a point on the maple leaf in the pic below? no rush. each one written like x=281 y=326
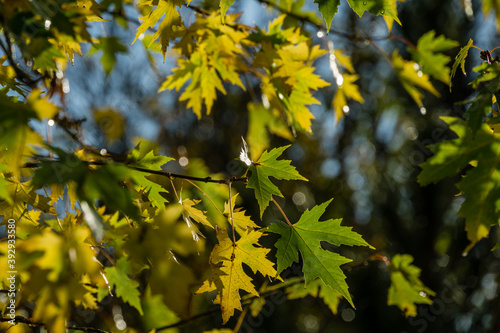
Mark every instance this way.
x=262 y=120
x=316 y=288
x=481 y=185
x=376 y=7
x=348 y=89
x=305 y=236
x=460 y=59
x=171 y=23
x=224 y=6
x=125 y=287
x=412 y=78
x=149 y=161
x=428 y=55
x=191 y=213
x=406 y=289
x=268 y=166
x=328 y=9
x=242 y=223
x=228 y=277
x=214 y=54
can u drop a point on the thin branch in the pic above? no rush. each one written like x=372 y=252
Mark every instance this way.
x=185 y=321
x=19 y=319
x=155 y=172
x=282 y=212
x=205 y=194
x=173 y=187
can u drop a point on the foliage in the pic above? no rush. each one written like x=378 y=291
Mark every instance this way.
x=136 y=234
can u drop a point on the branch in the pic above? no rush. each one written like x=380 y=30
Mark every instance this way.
x=155 y=172
x=19 y=319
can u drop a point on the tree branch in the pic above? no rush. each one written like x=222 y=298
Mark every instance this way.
x=155 y=172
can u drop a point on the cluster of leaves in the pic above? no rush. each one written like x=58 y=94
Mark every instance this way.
x=122 y=233
x=474 y=151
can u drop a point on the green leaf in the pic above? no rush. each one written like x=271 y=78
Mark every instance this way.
x=316 y=288
x=110 y=47
x=305 y=236
x=428 y=55
x=156 y=313
x=125 y=287
x=224 y=6
x=376 y=7
x=150 y=161
x=481 y=185
x=460 y=59
x=406 y=289
x=268 y=166
x=328 y=9
x=262 y=120
x=412 y=78
x=480 y=107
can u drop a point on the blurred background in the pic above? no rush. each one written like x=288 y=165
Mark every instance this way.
x=368 y=162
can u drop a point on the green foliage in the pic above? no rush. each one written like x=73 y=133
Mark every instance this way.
x=481 y=183
x=406 y=289
x=428 y=54
x=268 y=166
x=129 y=226
x=305 y=236
x=124 y=286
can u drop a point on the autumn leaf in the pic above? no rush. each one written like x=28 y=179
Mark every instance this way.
x=242 y=222
x=227 y=275
x=406 y=289
x=305 y=236
x=268 y=166
x=190 y=213
x=348 y=90
x=412 y=78
x=171 y=22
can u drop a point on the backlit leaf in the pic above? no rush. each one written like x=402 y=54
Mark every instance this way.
x=460 y=59
x=229 y=278
x=412 y=78
x=268 y=166
x=305 y=237
x=406 y=290
x=125 y=287
x=429 y=55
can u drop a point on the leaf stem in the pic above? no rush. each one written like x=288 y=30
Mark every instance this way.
x=231 y=213
x=282 y=212
x=240 y=319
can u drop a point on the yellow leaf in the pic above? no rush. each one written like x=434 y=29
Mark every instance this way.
x=190 y=212
x=242 y=223
x=412 y=78
x=229 y=278
x=171 y=23
x=348 y=89
x=111 y=123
